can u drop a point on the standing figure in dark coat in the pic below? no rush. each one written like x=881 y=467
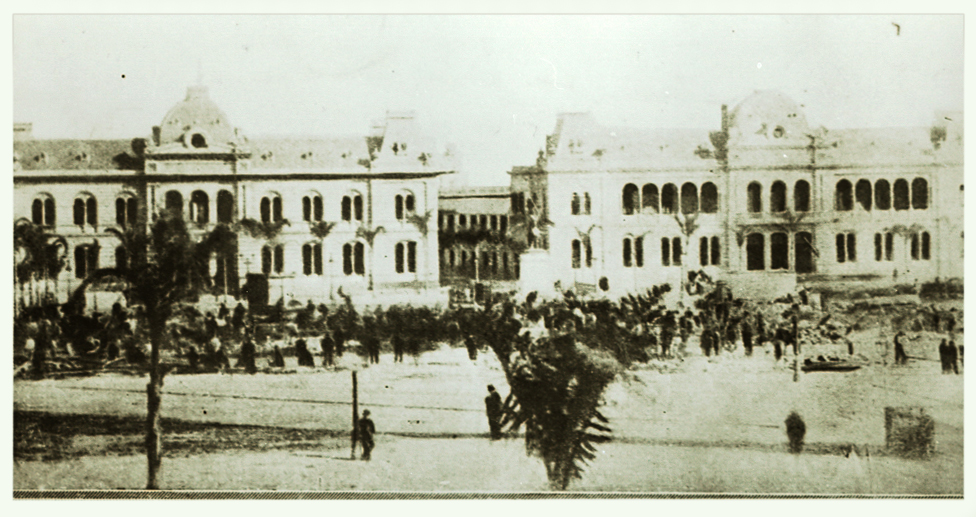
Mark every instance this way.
x=278 y=360
x=493 y=407
x=340 y=342
x=706 y=342
x=397 y=343
x=366 y=432
x=238 y=318
x=304 y=356
x=328 y=350
x=900 y=356
x=944 y=355
x=777 y=349
x=193 y=357
x=472 y=347
x=747 y=337
x=953 y=357
x=247 y=357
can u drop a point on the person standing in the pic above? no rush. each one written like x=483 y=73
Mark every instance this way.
x=706 y=342
x=472 y=347
x=747 y=336
x=397 y=348
x=900 y=356
x=328 y=350
x=238 y=318
x=279 y=360
x=248 y=354
x=493 y=408
x=366 y=432
x=953 y=358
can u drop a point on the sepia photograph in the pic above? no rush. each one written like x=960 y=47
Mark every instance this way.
x=488 y=256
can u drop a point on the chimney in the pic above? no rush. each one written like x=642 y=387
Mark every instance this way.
x=23 y=131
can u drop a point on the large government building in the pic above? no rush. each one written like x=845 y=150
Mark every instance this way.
x=313 y=215
x=765 y=203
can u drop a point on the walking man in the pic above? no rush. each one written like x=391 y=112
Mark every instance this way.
x=493 y=407
x=366 y=432
x=900 y=356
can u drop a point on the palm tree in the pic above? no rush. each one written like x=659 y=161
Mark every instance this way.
x=688 y=224
x=369 y=235
x=165 y=268
x=42 y=255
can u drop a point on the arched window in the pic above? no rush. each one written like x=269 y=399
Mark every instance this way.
x=703 y=251
x=754 y=197
x=862 y=193
x=86 y=210
x=846 y=245
x=225 y=207
x=755 y=252
x=399 y=257
x=265 y=210
x=716 y=252
x=779 y=251
x=709 y=252
x=627 y=255
x=276 y=208
x=574 y=204
x=777 y=197
x=312 y=259
x=86 y=260
x=882 y=195
x=353 y=255
x=878 y=247
x=920 y=194
x=126 y=210
x=266 y=260
x=174 y=203
x=199 y=207
x=312 y=207
x=639 y=251
x=577 y=253
x=669 y=198
x=403 y=206
x=926 y=246
x=843 y=196
x=689 y=198
x=631 y=201
x=357 y=207
x=121 y=258
x=801 y=196
x=665 y=251
x=411 y=257
x=587 y=205
x=709 y=198
x=915 y=246
x=43 y=211
x=649 y=198
x=676 y=251
x=901 y=194
x=889 y=247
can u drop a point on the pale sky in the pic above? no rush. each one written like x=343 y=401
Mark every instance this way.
x=490 y=85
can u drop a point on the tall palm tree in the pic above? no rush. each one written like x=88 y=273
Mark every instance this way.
x=165 y=268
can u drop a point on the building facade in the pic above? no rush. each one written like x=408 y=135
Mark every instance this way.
x=765 y=203
x=473 y=226
x=312 y=216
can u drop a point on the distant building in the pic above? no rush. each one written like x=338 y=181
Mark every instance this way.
x=765 y=203
x=475 y=247
x=355 y=213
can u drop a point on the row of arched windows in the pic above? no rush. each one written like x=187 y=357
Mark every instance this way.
x=881 y=195
x=85 y=210
x=200 y=205
x=778 y=197
x=668 y=200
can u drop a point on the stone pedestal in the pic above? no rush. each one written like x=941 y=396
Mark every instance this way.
x=535 y=274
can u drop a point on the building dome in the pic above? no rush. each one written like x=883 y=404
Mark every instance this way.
x=767 y=116
x=196 y=122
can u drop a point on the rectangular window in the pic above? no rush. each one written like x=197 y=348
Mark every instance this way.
x=639 y=251
x=626 y=252
x=703 y=251
x=503 y=223
x=412 y=257
x=851 y=248
x=716 y=252
x=889 y=247
x=676 y=251
x=307 y=259
x=878 y=247
x=317 y=256
x=317 y=208
x=577 y=254
x=347 y=259
x=358 y=207
x=665 y=252
x=926 y=246
x=398 y=257
x=589 y=253
x=779 y=251
x=279 y=258
x=360 y=252
x=846 y=247
x=346 y=208
x=494 y=223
